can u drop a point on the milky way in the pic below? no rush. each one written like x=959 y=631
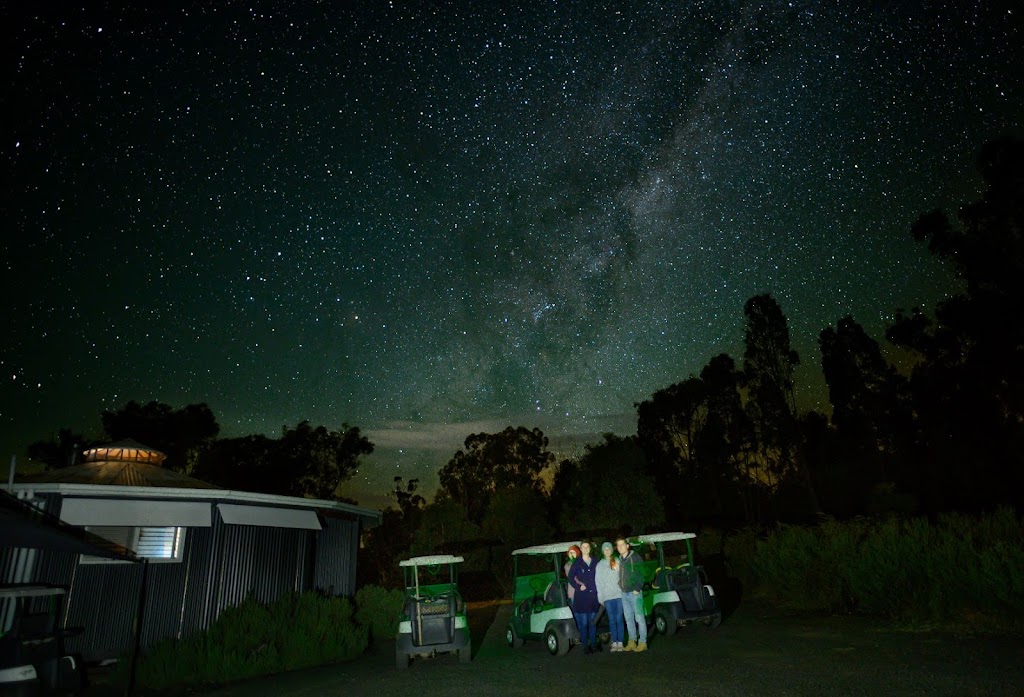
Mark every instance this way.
x=432 y=221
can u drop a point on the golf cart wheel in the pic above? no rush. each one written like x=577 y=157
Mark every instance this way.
x=713 y=621
x=556 y=641
x=513 y=640
x=664 y=622
x=401 y=660
x=465 y=654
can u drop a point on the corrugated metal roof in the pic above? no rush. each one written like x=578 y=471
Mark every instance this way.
x=110 y=473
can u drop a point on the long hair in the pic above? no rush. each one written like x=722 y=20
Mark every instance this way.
x=612 y=561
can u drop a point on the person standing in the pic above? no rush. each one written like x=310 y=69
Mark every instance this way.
x=631 y=581
x=573 y=554
x=609 y=594
x=584 y=605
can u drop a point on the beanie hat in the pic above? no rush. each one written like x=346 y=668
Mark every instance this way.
x=575 y=548
x=606 y=545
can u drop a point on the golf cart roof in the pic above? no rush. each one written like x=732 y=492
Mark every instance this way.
x=667 y=536
x=431 y=560
x=553 y=548
x=24 y=591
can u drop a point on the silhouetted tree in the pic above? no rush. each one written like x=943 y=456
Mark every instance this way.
x=724 y=465
x=63 y=450
x=517 y=517
x=768 y=364
x=322 y=459
x=248 y=463
x=667 y=426
x=410 y=504
x=305 y=461
x=610 y=489
x=179 y=433
x=870 y=400
x=968 y=386
x=513 y=458
x=443 y=524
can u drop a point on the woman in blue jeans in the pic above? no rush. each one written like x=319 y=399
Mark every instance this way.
x=610 y=595
x=584 y=602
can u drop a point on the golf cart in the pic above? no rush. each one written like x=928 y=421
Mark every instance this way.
x=676 y=592
x=434 y=615
x=540 y=601
x=33 y=660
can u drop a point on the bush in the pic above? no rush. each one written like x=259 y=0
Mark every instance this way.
x=379 y=609
x=959 y=569
x=251 y=640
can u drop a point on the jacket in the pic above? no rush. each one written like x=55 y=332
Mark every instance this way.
x=631 y=572
x=607 y=582
x=583 y=574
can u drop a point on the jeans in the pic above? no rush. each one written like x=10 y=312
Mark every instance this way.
x=633 y=611
x=587 y=626
x=616 y=620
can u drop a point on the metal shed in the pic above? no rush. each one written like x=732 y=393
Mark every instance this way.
x=208 y=549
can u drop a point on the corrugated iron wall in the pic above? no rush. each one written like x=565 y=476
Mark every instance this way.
x=336 y=548
x=220 y=566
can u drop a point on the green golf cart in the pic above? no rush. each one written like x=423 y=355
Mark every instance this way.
x=540 y=599
x=434 y=615
x=676 y=592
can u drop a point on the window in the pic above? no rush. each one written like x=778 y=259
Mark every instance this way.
x=164 y=544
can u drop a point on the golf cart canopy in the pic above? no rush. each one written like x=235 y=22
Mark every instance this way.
x=32 y=591
x=553 y=548
x=431 y=560
x=667 y=537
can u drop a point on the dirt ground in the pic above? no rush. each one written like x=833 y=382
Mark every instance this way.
x=756 y=651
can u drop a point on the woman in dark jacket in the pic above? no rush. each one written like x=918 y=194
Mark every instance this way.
x=582 y=577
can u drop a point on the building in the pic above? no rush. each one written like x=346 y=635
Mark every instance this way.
x=207 y=548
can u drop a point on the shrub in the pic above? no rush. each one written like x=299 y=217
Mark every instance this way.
x=378 y=609
x=252 y=639
x=955 y=570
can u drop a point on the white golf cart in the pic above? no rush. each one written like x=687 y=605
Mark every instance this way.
x=676 y=592
x=33 y=659
x=540 y=599
x=434 y=615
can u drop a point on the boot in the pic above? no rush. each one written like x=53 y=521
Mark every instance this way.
x=642 y=646
x=630 y=646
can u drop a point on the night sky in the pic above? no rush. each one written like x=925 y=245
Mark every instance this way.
x=431 y=219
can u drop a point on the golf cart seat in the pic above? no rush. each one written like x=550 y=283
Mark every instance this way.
x=432 y=623
x=556 y=595
x=670 y=579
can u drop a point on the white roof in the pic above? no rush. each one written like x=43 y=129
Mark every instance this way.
x=430 y=560
x=29 y=591
x=27 y=490
x=667 y=536
x=552 y=548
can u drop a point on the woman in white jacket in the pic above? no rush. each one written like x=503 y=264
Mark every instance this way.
x=609 y=594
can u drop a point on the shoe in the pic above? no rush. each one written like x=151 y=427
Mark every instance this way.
x=616 y=646
x=587 y=651
x=642 y=646
x=631 y=646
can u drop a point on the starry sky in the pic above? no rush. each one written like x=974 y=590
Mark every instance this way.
x=430 y=219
